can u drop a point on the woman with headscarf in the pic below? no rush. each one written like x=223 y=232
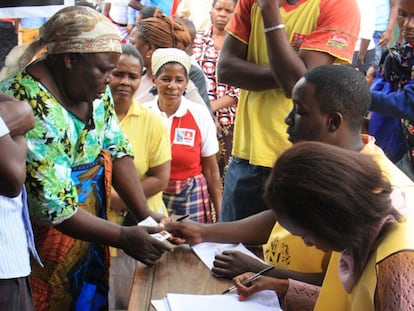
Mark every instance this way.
x=69 y=162
x=160 y=31
x=194 y=185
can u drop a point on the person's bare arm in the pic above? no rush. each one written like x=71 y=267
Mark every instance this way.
x=239 y=231
x=135 y=4
x=18 y=117
x=12 y=165
x=386 y=36
x=212 y=174
x=232 y=263
x=223 y=102
x=134 y=240
x=106 y=9
x=250 y=76
x=287 y=65
x=155 y=181
x=126 y=182
x=363 y=50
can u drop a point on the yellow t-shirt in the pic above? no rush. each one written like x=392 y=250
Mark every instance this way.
x=332 y=286
x=260 y=131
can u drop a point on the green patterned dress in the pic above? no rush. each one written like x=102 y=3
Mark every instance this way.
x=65 y=172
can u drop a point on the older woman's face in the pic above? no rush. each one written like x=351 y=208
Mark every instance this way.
x=90 y=75
x=125 y=78
x=405 y=19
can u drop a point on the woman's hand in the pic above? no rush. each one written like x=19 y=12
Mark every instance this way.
x=385 y=38
x=262 y=283
x=137 y=242
x=187 y=231
x=231 y=263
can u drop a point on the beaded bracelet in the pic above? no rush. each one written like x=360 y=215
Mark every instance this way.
x=276 y=27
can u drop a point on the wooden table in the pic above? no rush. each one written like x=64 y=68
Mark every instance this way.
x=179 y=272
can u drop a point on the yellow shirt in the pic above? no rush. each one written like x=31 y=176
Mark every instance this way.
x=260 y=131
x=149 y=138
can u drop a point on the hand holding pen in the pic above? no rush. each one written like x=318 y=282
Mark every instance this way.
x=181 y=218
x=249 y=283
x=249 y=279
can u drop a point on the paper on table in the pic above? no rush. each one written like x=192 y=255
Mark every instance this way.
x=262 y=301
x=207 y=251
x=161 y=304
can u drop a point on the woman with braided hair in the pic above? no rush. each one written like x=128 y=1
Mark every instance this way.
x=160 y=31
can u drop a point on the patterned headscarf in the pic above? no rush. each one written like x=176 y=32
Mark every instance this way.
x=160 y=57
x=73 y=29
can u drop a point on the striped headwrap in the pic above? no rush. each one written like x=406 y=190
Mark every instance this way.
x=74 y=29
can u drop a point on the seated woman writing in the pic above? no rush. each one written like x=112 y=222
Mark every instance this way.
x=354 y=215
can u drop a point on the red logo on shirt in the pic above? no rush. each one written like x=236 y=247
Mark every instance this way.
x=297 y=40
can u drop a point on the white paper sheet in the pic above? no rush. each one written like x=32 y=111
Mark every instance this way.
x=262 y=301
x=161 y=304
x=207 y=251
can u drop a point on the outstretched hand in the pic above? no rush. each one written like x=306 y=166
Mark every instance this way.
x=137 y=242
x=187 y=231
x=228 y=264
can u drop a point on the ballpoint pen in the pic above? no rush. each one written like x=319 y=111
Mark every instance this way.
x=250 y=279
x=182 y=217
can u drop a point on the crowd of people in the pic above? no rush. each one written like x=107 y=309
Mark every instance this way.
x=286 y=125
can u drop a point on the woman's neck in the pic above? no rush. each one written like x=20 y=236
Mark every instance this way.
x=168 y=107
x=49 y=74
x=122 y=107
x=218 y=38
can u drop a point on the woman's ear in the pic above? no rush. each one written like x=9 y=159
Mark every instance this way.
x=70 y=59
x=150 y=50
x=335 y=120
x=67 y=61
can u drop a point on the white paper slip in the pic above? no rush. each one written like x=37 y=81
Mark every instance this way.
x=262 y=301
x=149 y=222
x=207 y=251
x=161 y=304
x=162 y=236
